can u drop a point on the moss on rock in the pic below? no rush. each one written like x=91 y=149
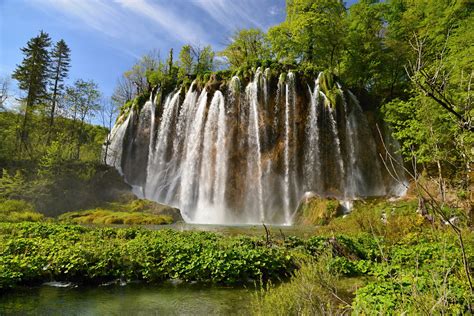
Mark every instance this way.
x=318 y=211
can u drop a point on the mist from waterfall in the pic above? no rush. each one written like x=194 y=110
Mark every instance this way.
x=245 y=155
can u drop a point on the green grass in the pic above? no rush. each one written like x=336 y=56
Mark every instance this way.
x=108 y=217
x=134 y=212
x=400 y=265
x=18 y=211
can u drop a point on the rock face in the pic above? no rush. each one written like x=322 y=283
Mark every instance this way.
x=161 y=209
x=315 y=210
x=236 y=154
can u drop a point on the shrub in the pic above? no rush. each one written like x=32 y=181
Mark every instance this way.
x=313 y=290
x=32 y=252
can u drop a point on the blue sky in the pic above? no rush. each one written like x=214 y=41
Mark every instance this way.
x=106 y=37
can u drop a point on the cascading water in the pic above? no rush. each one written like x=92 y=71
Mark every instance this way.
x=213 y=175
x=312 y=162
x=116 y=139
x=254 y=187
x=248 y=154
x=192 y=156
x=159 y=164
x=290 y=147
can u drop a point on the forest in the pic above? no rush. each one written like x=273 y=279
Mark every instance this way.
x=71 y=213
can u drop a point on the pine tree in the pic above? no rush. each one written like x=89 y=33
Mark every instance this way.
x=60 y=63
x=32 y=76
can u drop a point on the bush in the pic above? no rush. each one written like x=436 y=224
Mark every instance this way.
x=313 y=290
x=31 y=252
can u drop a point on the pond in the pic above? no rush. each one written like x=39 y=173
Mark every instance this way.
x=131 y=299
x=276 y=231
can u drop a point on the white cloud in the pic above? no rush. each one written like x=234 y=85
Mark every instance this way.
x=234 y=14
x=180 y=27
x=96 y=14
x=131 y=20
x=145 y=23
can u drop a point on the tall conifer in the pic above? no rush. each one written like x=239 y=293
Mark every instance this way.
x=60 y=63
x=32 y=75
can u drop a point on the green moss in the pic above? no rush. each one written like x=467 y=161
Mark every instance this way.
x=318 y=211
x=105 y=217
x=327 y=84
x=18 y=211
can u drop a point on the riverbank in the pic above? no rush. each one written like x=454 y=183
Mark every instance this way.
x=382 y=258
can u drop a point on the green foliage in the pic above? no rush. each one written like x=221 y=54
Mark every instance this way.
x=18 y=211
x=313 y=32
x=378 y=277
x=309 y=292
x=11 y=186
x=363 y=65
x=418 y=277
x=247 y=47
x=32 y=74
x=37 y=252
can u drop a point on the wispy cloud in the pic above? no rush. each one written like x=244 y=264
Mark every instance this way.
x=231 y=14
x=182 y=28
x=123 y=19
x=141 y=22
x=99 y=15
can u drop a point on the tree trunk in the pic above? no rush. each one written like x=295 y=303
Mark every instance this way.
x=53 y=105
x=442 y=191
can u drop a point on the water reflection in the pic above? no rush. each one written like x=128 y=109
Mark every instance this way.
x=133 y=299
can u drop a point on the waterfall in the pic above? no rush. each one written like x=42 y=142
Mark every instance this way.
x=290 y=144
x=158 y=160
x=312 y=162
x=212 y=181
x=229 y=155
x=192 y=154
x=254 y=155
x=330 y=115
x=115 y=149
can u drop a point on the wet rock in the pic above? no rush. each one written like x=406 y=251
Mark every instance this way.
x=316 y=210
x=161 y=209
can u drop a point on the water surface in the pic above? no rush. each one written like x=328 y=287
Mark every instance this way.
x=132 y=299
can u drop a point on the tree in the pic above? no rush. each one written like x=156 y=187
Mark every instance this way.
x=434 y=122
x=186 y=60
x=83 y=101
x=123 y=91
x=108 y=113
x=362 y=66
x=313 y=32
x=4 y=91
x=247 y=47
x=196 y=59
x=32 y=76
x=204 y=57
x=60 y=63
x=138 y=75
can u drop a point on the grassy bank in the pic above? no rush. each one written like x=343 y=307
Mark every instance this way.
x=404 y=263
x=382 y=258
